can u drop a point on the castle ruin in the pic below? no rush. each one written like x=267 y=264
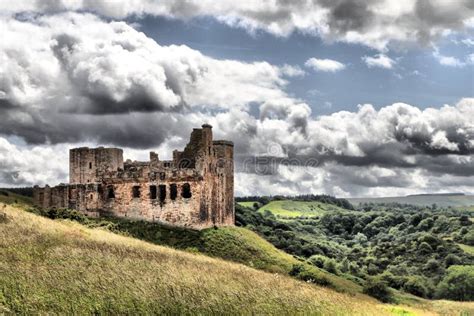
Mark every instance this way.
x=195 y=189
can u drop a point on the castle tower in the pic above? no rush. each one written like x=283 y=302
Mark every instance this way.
x=224 y=155
x=88 y=165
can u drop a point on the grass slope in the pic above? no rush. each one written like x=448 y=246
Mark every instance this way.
x=8 y=197
x=230 y=243
x=247 y=204
x=290 y=208
x=468 y=249
x=457 y=201
x=62 y=267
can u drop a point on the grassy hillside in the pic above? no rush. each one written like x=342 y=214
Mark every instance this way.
x=13 y=198
x=457 y=201
x=230 y=243
x=247 y=203
x=467 y=248
x=289 y=208
x=63 y=267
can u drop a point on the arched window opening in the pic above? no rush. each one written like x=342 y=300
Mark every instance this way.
x=110 y=192
x=90 y=165
x=136 y=191
x=153 y=192
x=173 y=191
x=186 y=191
x=162 y=190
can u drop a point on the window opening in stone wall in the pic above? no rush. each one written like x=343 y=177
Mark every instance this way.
x=186 y=191
x=91 y=197
x=173 y=191
x=136 y=191
x=162 y=189
x=110 y=192
x=153 y=192
x=90 y=165
x=162 y=175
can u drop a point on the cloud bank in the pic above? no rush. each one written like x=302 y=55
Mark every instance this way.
x=372 y=23
x=73 y=78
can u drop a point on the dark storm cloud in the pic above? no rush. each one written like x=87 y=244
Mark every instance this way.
x=136 y=130
x=349 y=15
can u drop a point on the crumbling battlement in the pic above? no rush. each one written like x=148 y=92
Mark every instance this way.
x=195 y=189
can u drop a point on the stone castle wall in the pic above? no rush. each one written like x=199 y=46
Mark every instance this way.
x=195 y=189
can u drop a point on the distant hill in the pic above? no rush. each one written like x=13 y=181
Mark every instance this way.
x=457 y=200
x=290 y=209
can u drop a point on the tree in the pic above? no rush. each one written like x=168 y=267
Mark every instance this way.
x=376 y=287
x=360 y=238
x=317 y=260
x=330 y=266
x=416 y=285
x=344 y=266
x=451 y=259
x=458 y=284
x=468 y=238
x=432 y=267
x=425 y=248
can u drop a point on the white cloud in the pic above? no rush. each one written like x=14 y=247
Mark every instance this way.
x=449 y=61
x=292 y=71
x=379 y=60
x=325 y=65
x=373 y=23
x=78 y=59
x=468 y=42
x=30 y=165
x=470 y=58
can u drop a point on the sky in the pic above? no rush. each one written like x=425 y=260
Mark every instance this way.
x=344 y=97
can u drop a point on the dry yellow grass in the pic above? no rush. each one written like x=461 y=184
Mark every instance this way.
x=64 y=268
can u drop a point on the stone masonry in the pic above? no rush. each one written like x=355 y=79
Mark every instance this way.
x=195 y=189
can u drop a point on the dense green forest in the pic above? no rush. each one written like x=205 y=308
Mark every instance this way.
x=410 y=248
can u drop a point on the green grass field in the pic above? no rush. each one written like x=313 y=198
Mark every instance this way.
x=467 y=248
x=289 y=208
x=247 y=204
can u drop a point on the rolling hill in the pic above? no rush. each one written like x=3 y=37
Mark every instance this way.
x=290 y=208
x=442 y=200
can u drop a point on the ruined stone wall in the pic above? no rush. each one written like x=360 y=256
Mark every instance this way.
x=195 y=189
x=225 y=174
x=162 y=207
